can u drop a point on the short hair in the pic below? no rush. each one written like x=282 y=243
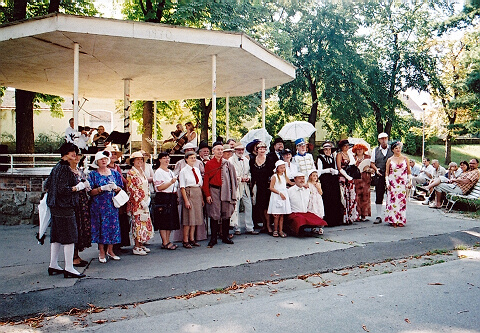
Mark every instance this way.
x=230 y=140
x=426 y=159
x=452 y=164
x=433 y=161
x=189 y=153
x=69 y=120
x=476 y=160
x=189 y=123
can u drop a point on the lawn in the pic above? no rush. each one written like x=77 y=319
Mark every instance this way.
x=459 y=153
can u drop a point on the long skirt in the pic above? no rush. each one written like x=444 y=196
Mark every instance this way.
x=362 y=191
x=84 y=225
x=332 y=202
x=64 y=226
x=166 y=212
x=348 y=188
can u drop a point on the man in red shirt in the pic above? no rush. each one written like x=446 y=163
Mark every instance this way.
x=220 y=188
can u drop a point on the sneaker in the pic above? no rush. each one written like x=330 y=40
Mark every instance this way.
x=139 y=251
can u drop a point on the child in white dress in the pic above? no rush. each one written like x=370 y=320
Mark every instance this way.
x=315 y=202
x=279 y=204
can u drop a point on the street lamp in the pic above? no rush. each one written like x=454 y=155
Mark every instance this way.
x=424 y=106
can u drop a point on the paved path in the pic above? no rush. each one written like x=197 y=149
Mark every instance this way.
x=27 y=290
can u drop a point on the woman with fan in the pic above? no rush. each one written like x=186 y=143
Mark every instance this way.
x=362 y=185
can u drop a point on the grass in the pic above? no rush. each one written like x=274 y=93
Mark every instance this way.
x=459 y=153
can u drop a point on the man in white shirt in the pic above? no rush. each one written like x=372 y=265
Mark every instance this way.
x=426 y=174
x=242 y=168
x=415 y=170
x=300 y=218
x=70 y=133
x=302 y=159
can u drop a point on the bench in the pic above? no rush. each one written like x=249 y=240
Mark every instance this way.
x=472 y=198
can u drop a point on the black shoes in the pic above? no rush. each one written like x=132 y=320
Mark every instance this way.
x=378 y=220
x=227 y=241
x=82 y=263
x=67 y=274
x=54 y=271
x=212 y=243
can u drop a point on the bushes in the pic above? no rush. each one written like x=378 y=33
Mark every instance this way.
x=413 y=141
x=48 y=143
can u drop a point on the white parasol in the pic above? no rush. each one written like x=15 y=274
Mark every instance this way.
x=259 y=133
x=354 y=141
x=44 y=217
x=296 y=130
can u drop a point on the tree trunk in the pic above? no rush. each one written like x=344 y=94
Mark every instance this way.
x=25 y=137
x=206 y=109
x=19 y=9
x=312 y=118
x=54 y=6
x=147 y=125
x=388 y=127
x=448 y=138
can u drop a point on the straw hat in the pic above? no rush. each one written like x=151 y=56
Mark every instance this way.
x=137 y=154
x=114 y=149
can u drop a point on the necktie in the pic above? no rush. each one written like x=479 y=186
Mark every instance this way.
x=240 y=159
x=195 y=175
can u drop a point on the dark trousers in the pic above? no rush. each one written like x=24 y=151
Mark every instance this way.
x=214 y=227
x=380 y=191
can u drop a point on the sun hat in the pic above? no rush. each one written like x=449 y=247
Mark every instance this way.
x=277 y=164
x=251 y=145
x=189 y=145
x=309 y=172
x=113 y=149
x=99 y=155
x=359 y=146
x=226 y=148
x=135 y=155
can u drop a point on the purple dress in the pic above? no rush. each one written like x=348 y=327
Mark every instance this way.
x=396 y=206
x=103 y=214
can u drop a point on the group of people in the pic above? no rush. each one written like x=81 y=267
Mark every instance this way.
x=283 y=191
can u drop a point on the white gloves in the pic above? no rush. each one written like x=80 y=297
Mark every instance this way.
x=333 y=171
x=80 y=186
x=344 y=174
x=109 y=187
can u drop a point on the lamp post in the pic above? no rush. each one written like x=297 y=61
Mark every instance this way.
x=424 y=106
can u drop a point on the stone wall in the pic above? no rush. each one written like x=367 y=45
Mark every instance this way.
x=19 y=198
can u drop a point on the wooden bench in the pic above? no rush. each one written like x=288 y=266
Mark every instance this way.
x=472 y=198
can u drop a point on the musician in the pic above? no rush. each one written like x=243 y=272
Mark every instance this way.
x=99 y=139
x=191 y=134
x=176 y=134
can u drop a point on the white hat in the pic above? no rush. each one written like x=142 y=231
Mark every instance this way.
x=226 y=148
x=298 y=174
x=277 y=164
x=383 y=135
x=137 y=154
x=189 y=145
x=309 y=172
x=99 y=155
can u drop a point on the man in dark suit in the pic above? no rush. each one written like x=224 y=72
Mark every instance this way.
x=276 y=155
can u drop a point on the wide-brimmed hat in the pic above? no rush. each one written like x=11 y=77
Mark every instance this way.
x=342 y=143
x=137 y=154
x=359 y=146
x=227 y=148
x=251 y=145
x=286 y=151
x=99 y=155
x=277 y=164
x=309 y=172
x=189 y=145
x=328 y=144
x=239 y=146
x=113 y=149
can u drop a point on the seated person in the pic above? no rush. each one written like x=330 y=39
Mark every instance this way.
x=461 y=185
x=300 y=218
x=414 y=168
x=176 y=134
x=426 y=174
x=99 y=139
x=82 y=140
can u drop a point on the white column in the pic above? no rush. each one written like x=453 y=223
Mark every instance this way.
x=263 y=105
x=214 y=98
x=126 y=113
x=227 y=111
x=154 y=129
x=76 y=71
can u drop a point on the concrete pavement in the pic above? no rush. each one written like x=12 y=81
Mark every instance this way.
x=27 y=290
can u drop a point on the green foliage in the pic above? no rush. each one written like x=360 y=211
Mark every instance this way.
x=55 y=103
x=48 y=143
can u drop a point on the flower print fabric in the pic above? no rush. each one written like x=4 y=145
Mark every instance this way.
x=396 y=206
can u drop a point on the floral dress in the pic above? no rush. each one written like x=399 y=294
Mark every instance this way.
x=137 y=186
x=396 y=207
x=347 y=188
x=103 y=214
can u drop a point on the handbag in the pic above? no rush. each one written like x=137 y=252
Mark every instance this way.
x=120 y=199
x=353 y=171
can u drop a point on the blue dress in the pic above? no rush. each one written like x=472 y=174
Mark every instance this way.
x=103 y=214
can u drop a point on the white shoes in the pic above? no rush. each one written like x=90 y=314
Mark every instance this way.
x=113 y=257
x=139 y=251
x=102 y=260
x=146 y=249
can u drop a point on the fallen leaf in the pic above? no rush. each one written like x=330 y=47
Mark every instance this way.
x=407 y=321
x=278 y=314
x=365 y=328
x=435 y=284
x=100 y=321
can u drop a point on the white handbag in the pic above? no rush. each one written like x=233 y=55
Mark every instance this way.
x=120 y=199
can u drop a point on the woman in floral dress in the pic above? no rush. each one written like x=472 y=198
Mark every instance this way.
x=398 y=180
x=347 y=184
x=138 y=204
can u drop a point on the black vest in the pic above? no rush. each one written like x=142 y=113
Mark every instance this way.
x=380 y=160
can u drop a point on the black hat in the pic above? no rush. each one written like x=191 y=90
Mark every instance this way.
x=68 y=147
x=218 y=143
x=250 y=146
x=342 y=143
x=203 y=144
x=277 y=140
x=286 y=151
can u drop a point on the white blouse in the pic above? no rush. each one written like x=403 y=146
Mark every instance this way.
x=161 y=176
x=187 y=179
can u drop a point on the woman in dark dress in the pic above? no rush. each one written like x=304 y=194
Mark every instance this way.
x=261 y=171
x=329 y=179
x=62 y=187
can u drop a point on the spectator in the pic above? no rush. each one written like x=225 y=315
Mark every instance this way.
x=378 y=161
x=104 y=215
x=242 y=169
x=464 y=166
x=70 y=133
x=426 y=174
x=166 y=213
x=329 y=179
x=347 y=184
x=398 y=180
x=279 y=204
x=62 y=186
x=220 y=187
x=191 y=188
x=138 y=204
x=191 y=135
x=414 y=168
x=461 y=185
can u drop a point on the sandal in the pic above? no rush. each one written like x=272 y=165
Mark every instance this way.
x=282 y=234
x=275 y=234
x=169 y=246
x=193 y=243
x=187 y=245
